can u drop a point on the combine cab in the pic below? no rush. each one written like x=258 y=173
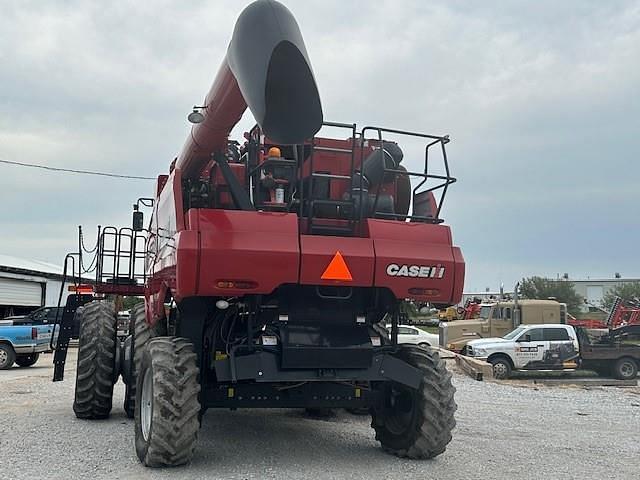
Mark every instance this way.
x=272 y=266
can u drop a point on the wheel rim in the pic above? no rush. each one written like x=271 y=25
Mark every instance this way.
x=3 y=357
x=400 y=410
x=146 y=404
x=500 y=369
x=626 y=369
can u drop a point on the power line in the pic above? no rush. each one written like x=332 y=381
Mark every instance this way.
x=70 y=170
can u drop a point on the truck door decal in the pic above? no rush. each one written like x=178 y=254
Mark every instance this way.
x=557 y=349
x=529 y=349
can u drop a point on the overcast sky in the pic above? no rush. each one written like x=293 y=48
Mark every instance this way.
x=541 y=99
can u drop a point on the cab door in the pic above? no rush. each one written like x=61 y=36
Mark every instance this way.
x=561 y=352
x=530 y=349
x=501 y=321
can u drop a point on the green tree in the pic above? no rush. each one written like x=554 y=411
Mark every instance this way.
x=129 y=302
x=627 y=291
x=544 y=288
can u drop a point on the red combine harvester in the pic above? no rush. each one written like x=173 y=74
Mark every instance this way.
x=271 y=267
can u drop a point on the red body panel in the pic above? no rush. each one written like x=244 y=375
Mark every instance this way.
x=318 y=251
x=236 y=246
x=403 y=244
x=188 y=264
x=458 y=279
x=166 y=222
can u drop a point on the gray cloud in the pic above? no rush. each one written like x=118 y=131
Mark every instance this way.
x=542 y=101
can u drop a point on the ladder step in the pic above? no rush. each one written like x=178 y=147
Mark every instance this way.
x=332 y=149
x=329 y=175
x=338 y=203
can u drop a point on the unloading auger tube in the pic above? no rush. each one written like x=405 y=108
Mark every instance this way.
x=267 y=69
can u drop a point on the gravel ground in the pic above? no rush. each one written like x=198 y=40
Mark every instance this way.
x=505 y=431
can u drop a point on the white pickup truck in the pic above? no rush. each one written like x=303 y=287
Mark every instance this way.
x=560 y=347
x=529 y=347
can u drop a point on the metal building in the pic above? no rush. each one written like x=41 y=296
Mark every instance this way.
x=27 y=284
x=594 y=290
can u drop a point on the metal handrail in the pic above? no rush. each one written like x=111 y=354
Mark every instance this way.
x=447 y=178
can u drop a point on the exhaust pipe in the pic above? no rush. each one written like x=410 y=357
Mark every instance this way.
x=267 y=69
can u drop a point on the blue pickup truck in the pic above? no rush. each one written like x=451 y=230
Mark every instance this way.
x=22 y=341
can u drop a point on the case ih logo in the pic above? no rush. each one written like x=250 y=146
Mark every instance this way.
x=415 y=271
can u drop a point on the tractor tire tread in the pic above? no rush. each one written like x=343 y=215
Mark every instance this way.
x=142 y=333
x=176 y=409
x=429 y=434
x=96 y=362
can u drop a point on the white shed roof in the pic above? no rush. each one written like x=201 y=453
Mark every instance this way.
x=31 y=265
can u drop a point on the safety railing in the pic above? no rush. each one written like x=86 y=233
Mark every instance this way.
x=442 y=181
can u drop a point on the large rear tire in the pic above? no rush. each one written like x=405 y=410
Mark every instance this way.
x=167 y=407
x=141 y=333
x=417 y=424
x=96 y=361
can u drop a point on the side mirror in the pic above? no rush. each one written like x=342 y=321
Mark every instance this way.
x=138 y=221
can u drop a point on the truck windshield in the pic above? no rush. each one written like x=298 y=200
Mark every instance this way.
x=514 y=334
x=485 y=310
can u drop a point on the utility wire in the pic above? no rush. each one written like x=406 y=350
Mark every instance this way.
x=70 y=170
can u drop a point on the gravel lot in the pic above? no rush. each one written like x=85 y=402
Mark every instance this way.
x=505 y=431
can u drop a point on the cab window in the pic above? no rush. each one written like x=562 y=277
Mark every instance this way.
x=405 y=331
x=497 y=313
x=532 y=335
x=555 y=334
x=507 y=313
x=39 y=314
x=53 y=312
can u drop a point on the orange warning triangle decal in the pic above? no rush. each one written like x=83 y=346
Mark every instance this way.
x=337 y=269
